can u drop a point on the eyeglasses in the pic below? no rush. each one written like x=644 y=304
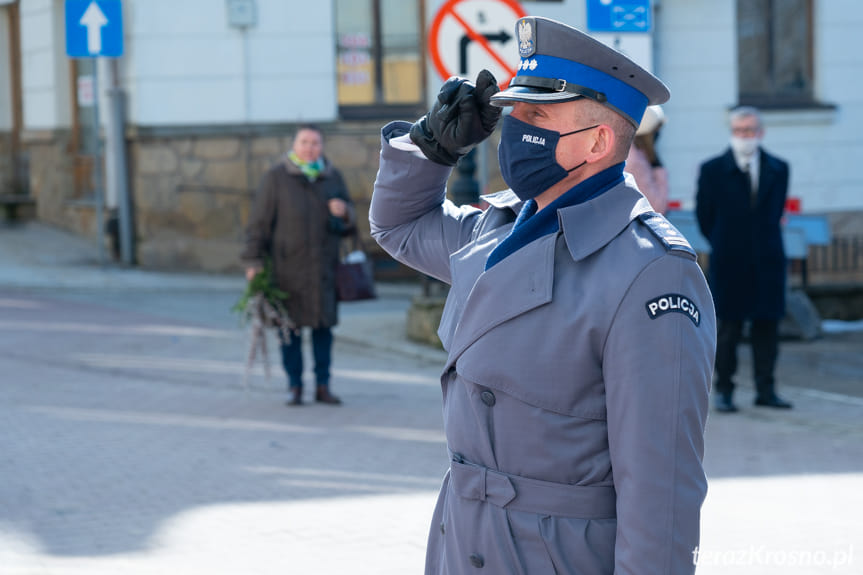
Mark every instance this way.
x=745 y=130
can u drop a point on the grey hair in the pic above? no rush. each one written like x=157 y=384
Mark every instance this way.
x=745 y=112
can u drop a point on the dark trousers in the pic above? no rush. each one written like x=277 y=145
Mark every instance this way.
x=764 y=337
x=292 y=356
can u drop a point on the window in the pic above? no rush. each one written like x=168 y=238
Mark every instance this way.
x=380 y=67
x=774 y=53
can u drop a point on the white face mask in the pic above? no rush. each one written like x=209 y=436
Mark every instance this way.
x=744 y=146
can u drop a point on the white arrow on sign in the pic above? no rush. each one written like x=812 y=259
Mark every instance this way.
x=94 y=19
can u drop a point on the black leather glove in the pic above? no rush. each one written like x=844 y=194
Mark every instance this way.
x=461 y=117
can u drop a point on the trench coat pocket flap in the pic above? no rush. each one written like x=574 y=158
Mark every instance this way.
x=568 y=397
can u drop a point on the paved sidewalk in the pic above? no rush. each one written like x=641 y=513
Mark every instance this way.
x=37 y=257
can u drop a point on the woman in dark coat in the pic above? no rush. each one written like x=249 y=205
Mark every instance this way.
x=299 y=216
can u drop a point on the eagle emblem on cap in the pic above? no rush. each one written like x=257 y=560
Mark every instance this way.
x=526 y=42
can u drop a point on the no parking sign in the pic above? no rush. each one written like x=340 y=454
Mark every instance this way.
x=469 y=35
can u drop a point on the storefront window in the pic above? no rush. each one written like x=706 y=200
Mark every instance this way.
x=380 y=66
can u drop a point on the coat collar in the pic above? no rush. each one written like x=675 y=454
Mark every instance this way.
x=294 y=170
x=729 y=164
x=765 y=160
x=589 y=226
x=525 y=278
x=766 y=171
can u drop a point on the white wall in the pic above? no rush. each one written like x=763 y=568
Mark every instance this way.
x=697 y=57
x=825 y=150
x=184 y=64
x=44 y=65
x=5 y=73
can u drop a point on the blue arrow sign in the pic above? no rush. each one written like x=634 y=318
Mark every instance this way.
x=618 y=15
x=94 y=28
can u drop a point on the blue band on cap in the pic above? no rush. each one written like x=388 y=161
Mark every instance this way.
x=618 y=93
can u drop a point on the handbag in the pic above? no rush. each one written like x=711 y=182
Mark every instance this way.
x=354 y=277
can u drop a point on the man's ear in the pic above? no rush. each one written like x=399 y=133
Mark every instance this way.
x=603 y=144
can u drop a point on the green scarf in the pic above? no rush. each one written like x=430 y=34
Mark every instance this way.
x=309 y=169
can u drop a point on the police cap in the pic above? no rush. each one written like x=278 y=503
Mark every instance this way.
x=559 y=63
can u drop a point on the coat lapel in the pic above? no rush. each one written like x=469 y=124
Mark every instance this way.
x=518 y=284
x=591 y=225
x=524 y=280
x=738 y=187
x=766 y=177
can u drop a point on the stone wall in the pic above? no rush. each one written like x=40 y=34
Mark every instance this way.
x=192 y=188
x=192 y=194
x=52 y=182
x=190 y=198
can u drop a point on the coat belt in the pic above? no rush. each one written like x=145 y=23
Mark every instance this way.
x=473 y=481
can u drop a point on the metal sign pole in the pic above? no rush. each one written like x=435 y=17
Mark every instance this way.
x=124 y=202
x=94 y=28
x=97 y=165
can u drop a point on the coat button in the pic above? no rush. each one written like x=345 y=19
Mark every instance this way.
x=487 y=398
x=476 y=560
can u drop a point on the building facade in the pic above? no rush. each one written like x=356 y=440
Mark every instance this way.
x=214 y=89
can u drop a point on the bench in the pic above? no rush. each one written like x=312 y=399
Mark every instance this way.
x=12 y=202
x=799 y=231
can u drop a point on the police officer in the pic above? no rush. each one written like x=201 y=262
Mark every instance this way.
x=579 y=328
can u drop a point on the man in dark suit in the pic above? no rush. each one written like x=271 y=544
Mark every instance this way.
x=740 y=201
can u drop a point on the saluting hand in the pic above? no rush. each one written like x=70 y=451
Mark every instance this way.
x=461 y=117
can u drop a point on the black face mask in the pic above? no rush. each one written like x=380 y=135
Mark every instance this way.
x=527 y=157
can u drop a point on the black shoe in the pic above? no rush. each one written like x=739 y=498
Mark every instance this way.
x=724 y=404
x=296 y=397
x=323 y=395
x=773 y=401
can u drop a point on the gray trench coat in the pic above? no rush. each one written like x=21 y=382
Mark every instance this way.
x=576 y=390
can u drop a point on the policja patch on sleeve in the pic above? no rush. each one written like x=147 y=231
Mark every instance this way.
x=673 y=302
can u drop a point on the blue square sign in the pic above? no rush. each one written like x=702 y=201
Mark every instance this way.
x=618 y=15
x=94 y=28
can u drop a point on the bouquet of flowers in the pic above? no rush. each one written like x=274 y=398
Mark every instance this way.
x=262 y=305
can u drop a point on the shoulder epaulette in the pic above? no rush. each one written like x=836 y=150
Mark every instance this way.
x=666 y=233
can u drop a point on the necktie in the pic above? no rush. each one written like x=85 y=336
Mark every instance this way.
x=753 y=191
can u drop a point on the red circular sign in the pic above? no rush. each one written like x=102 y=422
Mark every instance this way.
x=486 y=24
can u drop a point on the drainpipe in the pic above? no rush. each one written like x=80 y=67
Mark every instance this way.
x=117 y=165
